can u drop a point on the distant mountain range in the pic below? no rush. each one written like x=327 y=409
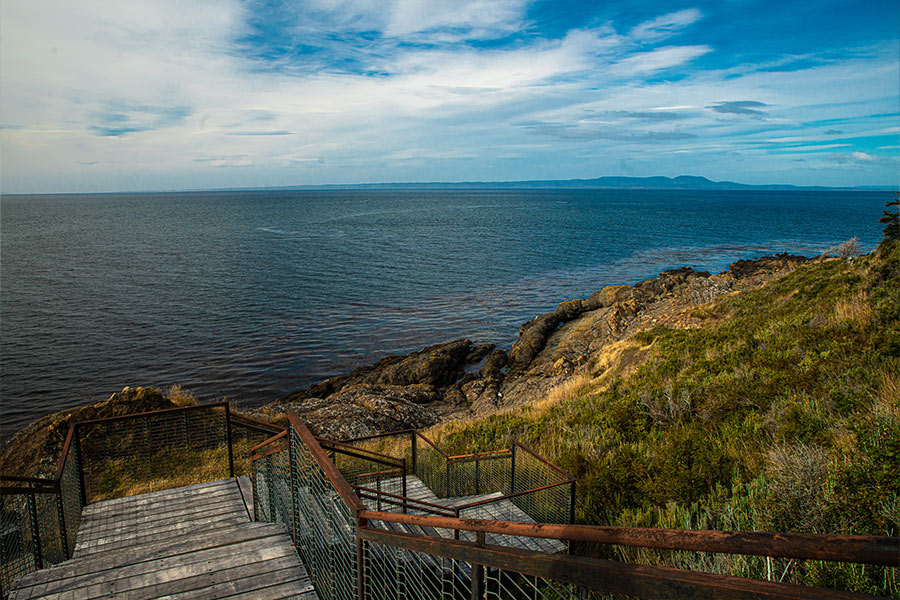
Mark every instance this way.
x=683 y=182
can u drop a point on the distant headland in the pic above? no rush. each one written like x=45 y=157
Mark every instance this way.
x=682 y=182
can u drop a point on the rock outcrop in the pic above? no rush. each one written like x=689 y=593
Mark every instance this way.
x=443 y=381
x=457 y=378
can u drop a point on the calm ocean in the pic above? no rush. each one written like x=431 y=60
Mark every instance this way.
x=251 y=295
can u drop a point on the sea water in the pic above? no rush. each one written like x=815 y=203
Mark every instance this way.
x=252 y=294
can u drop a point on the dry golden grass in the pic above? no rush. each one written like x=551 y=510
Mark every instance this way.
x=857 y=309
x=180 y=396
x=887 y=396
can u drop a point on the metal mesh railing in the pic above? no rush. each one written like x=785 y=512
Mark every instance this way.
x=324 y=524
x=550 y=492
x=245 y=434
x=17 y=539
x=144 y=453
x=394 y=573
x=70 y=491
x=500 y=584
x=354 y=552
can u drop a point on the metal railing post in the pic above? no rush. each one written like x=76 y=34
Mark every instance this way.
x=79 y=464
x=403 y=484
x=478 y=571
x=572 y=504
x=415 y=453
x=32 y=515
x=512 y=471
x=228 y=441
x=477 y=476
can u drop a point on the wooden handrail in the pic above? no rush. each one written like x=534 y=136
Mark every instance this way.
x=334 y=476
x=873 y=550
x=610 y=576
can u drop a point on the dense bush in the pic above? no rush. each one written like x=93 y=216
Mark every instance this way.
x=782 y=414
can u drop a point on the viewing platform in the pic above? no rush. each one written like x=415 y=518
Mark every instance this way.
x=193 y=542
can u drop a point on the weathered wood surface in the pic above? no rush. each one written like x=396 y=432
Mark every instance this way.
x=194 y=542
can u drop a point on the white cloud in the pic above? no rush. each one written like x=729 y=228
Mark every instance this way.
x=173 y=81
x=659 y=59
x=665 y=26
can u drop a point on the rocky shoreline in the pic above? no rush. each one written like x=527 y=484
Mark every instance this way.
x=458 y=379
x=461 y=379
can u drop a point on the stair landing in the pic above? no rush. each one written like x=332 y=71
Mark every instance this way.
x=193 y=542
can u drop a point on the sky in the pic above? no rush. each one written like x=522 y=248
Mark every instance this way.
x=99 y=95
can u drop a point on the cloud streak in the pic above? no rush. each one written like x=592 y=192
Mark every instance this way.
x=394 y=90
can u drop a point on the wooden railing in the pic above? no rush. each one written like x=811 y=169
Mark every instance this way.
x=390 y=561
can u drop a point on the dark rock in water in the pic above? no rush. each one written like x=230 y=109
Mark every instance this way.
x=495 y=361
x=439 y=365
x=478 y=352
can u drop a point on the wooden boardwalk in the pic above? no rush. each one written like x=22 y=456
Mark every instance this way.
x=193 y=542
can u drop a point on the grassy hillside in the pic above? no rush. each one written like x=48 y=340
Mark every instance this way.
x=781 y=414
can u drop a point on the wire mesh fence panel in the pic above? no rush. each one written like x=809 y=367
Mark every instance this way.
x=242 y=439
x=367 y=472
x=262 y=506
x=18 y=539
x=154 y=451
x=392 y=572
x=431 y=467
x=398 y=446
x=488 y=474
x=47 y=508
x=547 y=505
x=324 y=526
x=507 y=585
x=70 y=495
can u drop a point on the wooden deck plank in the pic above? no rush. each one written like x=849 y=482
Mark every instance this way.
x=246 y=488
x=191 y=490
x=148 y=518
x=188 y=577
x=124 y=511
x=264 y=547
x=258 y=585
x=180 y=513
x=293 y=590
x=102 y=562
x=126 y=539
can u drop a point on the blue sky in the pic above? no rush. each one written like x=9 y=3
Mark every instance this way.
x=165 y=94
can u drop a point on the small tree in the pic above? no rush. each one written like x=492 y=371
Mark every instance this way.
x=892 y=220
x=849 y=248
